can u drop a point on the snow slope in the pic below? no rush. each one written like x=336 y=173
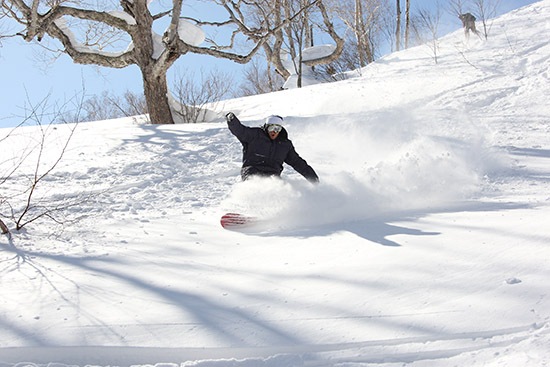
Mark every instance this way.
x=426 y=243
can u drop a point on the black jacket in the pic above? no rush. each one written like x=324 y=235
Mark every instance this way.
x=264 y=156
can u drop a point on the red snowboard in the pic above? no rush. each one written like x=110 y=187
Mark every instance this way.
x=235 y=220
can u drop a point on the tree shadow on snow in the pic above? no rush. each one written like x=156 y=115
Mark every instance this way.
x=528 y=152
x=223 y=321
x=380 y=230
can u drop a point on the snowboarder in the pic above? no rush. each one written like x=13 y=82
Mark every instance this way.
x=469 y=24
x=266 y=148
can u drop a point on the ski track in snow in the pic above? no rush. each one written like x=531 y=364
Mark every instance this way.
x=402 y=351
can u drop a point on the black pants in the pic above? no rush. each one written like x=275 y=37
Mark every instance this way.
x=249 y=171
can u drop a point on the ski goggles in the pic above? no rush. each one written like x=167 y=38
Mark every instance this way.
x=274 y=128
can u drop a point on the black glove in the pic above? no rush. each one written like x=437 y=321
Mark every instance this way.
x=230 y=116
x=313 y=180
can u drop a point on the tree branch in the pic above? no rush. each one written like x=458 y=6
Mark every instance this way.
x=332 y=32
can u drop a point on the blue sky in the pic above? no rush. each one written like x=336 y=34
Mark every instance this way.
x=26 y=80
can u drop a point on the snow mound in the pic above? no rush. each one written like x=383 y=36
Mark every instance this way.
x=317 y=52
x=190 y=33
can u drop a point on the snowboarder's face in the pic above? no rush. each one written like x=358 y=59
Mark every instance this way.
x=273 y=130
x=273 y=135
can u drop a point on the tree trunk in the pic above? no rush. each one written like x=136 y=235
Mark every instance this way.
x=359 y=32
x=407 y=23
x=3 y=227
x=398 y=28
x=156 y=96
x=368 y=51
x=274 y=54
x=153 y=71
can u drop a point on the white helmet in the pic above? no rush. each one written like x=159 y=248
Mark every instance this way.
x=274 y=120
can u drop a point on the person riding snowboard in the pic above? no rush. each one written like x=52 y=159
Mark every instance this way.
x=266 y=148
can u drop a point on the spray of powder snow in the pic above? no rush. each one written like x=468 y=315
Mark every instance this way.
x=387 y=164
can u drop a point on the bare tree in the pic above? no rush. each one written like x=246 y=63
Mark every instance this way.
x=106 y=106
x=192 y=95
x=486 y=10
x=336 y=70
x=94 y=33
x=260 y=77
x=285 y=39
x=298 y=36
x=23 y=174
x=133 y=104
x=430 y=21
x=407 y=22
x=100 y=107
x=359 y=30
x=365 y=20
x=398 y=26
x=456 y=7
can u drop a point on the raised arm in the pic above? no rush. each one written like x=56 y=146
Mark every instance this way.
x=243 y=133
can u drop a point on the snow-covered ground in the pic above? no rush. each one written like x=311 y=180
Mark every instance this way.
x=426 y=244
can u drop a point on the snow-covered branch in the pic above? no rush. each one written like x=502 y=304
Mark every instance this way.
x=89 y=36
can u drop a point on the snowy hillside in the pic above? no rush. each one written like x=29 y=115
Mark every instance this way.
x=425 y=244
